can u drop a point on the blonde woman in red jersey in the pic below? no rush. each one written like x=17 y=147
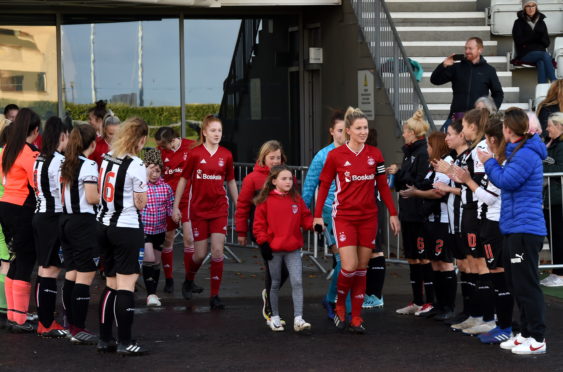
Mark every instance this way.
x=17 y=206
x=174 y=152
x=209 y=167
x=355 y=166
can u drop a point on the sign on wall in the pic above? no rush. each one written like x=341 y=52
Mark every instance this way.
x=365 y=93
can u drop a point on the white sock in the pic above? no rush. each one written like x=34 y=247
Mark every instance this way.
x=276 y=320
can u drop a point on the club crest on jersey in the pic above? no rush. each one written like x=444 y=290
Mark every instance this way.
x=371 y=161
x=294 y=209
x=185 y=156
x=342 y=237
x=347 y=176
x=198 y=174
x=221 y=162
x=196 y=232
x=437 y=251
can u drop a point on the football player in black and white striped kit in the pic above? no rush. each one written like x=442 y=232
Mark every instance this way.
x=46 y=224
x=79 y=185
x=123 y=186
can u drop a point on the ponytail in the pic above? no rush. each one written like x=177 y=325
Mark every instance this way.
x=54 y=127
x=517 y=121
x=81 y=137
x=478 y=117
x=352 y=114
x=16 y=135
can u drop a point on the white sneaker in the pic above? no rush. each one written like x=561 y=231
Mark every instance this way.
x=513 y=341
x=555 y=282
x=548 y=279
x=531 y=346
x=409 y=309
x=275 y=324
x=481 y=328
x=467 y=323
x=153 y=301
x=424 y=309
x=299 y=324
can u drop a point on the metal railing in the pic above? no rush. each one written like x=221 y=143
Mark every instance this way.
x=391 y=61
x=551 y=180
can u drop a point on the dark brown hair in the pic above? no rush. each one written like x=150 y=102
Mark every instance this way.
x=81 y=137
x=165 y=134
x=517 y=121
x=478 y=117
x=99 y=110
x=54 y=127
x=372 y=137
x=16 y=134
x=269 y=185
x=439 y=148
x=494 y=129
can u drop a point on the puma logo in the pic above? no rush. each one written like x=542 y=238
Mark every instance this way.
x=518 y=259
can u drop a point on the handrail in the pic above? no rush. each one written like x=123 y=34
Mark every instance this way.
x=388 y=53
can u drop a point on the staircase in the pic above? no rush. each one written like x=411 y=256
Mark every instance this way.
x=430 y=30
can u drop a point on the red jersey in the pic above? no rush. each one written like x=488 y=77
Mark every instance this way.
x=206 y=174
x=251 y=185
x=279 y=221
x=356 y=175
x=175 y=162
x=102 y=148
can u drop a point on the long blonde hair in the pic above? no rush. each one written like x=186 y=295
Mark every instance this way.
x=417 y=124
x=554 y=96
x=127 y=138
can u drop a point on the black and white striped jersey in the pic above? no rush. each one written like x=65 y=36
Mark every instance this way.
x=119 y=179
x=477 y=171
x=74 y=197
x=455 y=211
x=47 y=183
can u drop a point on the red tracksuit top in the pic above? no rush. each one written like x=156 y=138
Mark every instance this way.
x=279 y=221
x=251 y=185
x=356 y=176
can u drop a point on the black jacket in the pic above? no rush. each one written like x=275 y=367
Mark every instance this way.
x=413 y=171
x=469 y=82
x=543 y=116
x=553 y=164
x=527 y=40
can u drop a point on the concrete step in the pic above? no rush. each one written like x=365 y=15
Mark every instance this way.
x=505 y=78
x=443 y=94
x=438 y=18
x=430 y=63
x=430 y=5
x=442 y=48
x=440 y=111
x=443 y=33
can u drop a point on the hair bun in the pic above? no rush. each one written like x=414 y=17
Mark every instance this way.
x=418 y=115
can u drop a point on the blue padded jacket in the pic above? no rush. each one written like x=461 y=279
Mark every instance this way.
x=312 y=179
x=521 y=182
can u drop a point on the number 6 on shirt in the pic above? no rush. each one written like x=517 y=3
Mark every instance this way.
x=108 y=189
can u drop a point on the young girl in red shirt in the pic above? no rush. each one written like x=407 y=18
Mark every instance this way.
x=280 y=215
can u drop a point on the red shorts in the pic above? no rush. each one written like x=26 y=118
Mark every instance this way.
x=355 y=232
x=202 y=229
x=170 y=224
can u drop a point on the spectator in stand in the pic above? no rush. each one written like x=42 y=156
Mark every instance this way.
x=531 y=40
x=471 y=78
x=552 y=103
x=487 y=103
x=554 y=163
x=103 y=142
x=10 y=112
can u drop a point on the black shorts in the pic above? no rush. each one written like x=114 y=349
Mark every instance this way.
x=156 y=239
x=47 y=239
x=17 y=228
x=438 y=242
x=471 y=231
x=78 y=239
x=459 y=246
x=413 y=240
x=120 y=248
x=492 y=241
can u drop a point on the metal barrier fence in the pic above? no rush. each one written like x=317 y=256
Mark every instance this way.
x=552 y=181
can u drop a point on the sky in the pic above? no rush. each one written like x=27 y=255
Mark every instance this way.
x=209 y=46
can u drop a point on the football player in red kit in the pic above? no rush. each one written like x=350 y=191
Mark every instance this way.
x=209 y=166
x=357 y=168
x=174 y=151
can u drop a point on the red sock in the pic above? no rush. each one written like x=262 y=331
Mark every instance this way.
x=8 y=288
x=358 y=291
x=21 y=291
x=167 y=259
x=188 y=254
x=345 y=280
x=216 y=270
x=193 y=267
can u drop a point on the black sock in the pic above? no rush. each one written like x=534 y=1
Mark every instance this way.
x=376 y=276
x=155 y=276
x=474 y=308
x=80 y=302
x=440 y=302
x=428 y=275
x=150 y=285
x=486 y=297
x=504 y=301
x=416 y=277
x=47 y=298
x=450 y=288
x=68 y=287
x=124 y=313
x=105 y=313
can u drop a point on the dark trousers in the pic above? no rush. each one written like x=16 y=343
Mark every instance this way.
x=521 y=258
x=557 y=237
